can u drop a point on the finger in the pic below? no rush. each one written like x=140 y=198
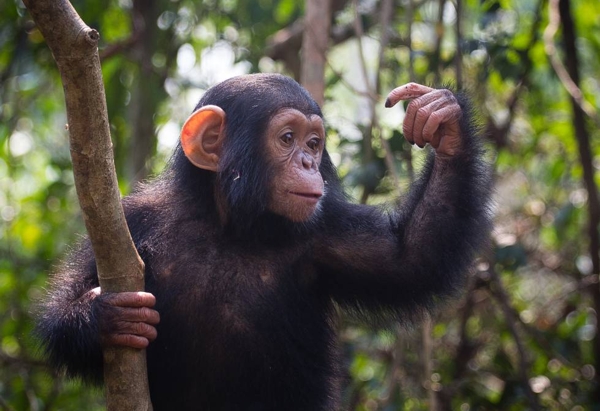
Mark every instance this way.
x=408 y=124
x=126 y=340
x=422 y=116
x=442 y=129
x=448 y=114
x=435 y=140
x=140 y=329
x=130 y=299
x=142 y=314
x=405 y=92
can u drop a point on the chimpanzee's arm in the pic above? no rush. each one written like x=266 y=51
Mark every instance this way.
x=67 y=323
x=77 y=320
x=407 y=260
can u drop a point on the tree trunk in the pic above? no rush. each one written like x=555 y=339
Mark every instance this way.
x=147 y=93
x=75 y=48
x=314 y=47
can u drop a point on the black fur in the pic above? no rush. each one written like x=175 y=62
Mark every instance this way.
x=247 y=303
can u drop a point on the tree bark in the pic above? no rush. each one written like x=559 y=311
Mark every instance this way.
x=147 y=93
x=314 y=47
x=74 y=46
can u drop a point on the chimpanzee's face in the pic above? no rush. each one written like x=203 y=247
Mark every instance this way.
x=295 y=144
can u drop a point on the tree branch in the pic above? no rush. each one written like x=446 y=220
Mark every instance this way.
x=562 y=73
x=314 y=48
x=511 y=316
x=74 y=46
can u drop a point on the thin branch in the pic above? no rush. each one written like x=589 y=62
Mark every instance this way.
x=286 y=43
x=349 y=86
x=115 y=48
x=358 y=28
x=502 y=298
x=437 y=53
x=385 y=19
x=386 y=13
x=5 y=405
x=410 y=10
x=562 y=73
x=427 y=352
x=368 y=134
x=465 y=350
x=499 y=133
x=458 y=56
x=9 y=360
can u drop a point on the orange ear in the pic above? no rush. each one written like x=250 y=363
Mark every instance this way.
x=202 y=137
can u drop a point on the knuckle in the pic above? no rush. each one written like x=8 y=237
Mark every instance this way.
x=140 y=328
x=448 y=95
x=436 y=116
x=121 y=326
x=107 y=298
x=422 y=112
x=149 y=315
x=142 y=314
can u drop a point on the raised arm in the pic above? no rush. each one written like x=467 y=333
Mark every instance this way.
x=404 y=261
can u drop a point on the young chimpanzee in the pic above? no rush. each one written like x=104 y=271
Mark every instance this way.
x=250 y=245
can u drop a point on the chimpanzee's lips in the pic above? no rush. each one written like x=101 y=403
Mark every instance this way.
x=314 y=196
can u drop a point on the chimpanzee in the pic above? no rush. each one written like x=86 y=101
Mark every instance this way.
x=251 y=245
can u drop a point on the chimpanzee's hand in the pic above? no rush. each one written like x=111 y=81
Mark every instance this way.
x=432 y=117
x=126 y=319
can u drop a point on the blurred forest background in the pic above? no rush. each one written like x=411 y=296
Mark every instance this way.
x=524 y=336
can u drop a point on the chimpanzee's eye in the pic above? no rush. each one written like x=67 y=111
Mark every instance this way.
x=287 y=138
x=314 y=144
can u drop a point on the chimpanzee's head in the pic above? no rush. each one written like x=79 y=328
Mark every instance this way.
x=262 y=136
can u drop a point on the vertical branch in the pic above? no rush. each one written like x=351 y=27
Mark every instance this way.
x=385 y=18
x=368 y=134
x=565 y=74
x=75 y=48
x=586 y=158
x=147 y=92
x=437 y=53
x=314 y=47
x=410 y=10
x=498 y=133
x=458 y=57
x=511 y=316
x=427 y=351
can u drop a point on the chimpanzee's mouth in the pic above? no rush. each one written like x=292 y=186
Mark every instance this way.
x=308 y=196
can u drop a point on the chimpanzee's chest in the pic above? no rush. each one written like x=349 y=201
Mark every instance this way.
x=255 y=324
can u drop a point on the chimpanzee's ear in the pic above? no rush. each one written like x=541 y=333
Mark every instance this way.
x=202 y=137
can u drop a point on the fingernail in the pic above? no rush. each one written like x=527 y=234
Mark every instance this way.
x=388 y=103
